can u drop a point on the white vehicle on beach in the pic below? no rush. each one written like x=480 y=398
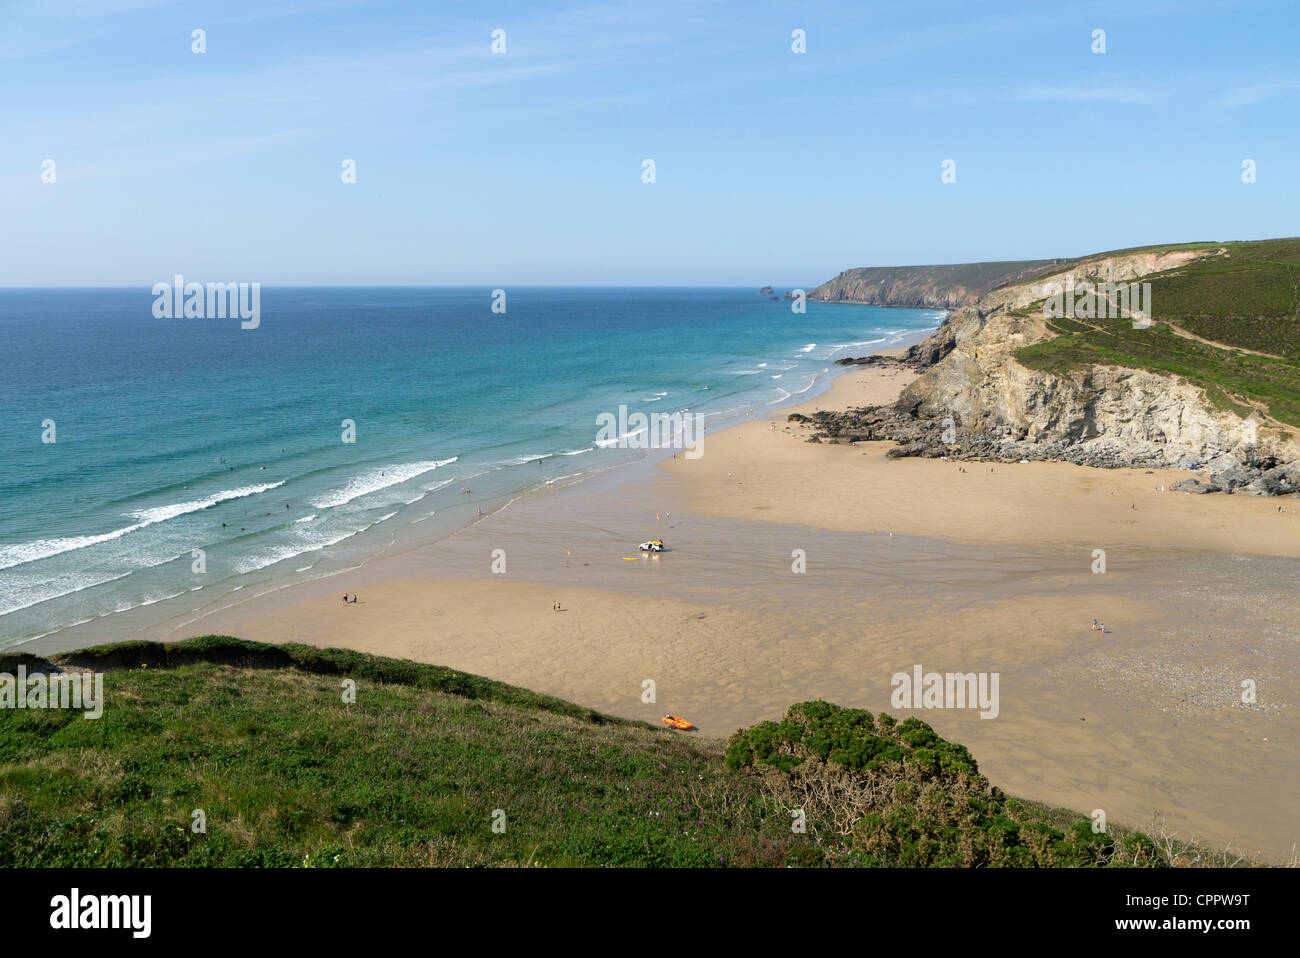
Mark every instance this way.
x=654 y=545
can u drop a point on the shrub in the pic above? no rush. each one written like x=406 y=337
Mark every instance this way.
x=900 y=794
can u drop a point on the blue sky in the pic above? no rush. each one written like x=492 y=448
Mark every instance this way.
x=525 y=167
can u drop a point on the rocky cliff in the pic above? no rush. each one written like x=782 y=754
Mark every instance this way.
x=975 y=400
x=938 y=287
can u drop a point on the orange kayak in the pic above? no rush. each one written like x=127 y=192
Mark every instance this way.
x=676 y=721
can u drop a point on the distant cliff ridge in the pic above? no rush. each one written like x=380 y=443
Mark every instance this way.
x=937 y=287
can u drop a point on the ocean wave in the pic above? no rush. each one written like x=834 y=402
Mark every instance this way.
x=809 y=348
x=64 y=585
x=22 y=552
x=841 y=347
x=577 y=452
x=606 y=443
x=378 y=479
x=261 y=560
x=160 y=598
x=149 y=517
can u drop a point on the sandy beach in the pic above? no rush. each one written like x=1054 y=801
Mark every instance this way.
x=1044 y=503
x=906 y=563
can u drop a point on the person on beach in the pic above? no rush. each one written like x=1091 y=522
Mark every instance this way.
x=345 y=598
x=1094 y=625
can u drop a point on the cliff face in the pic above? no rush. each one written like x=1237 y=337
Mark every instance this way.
x=937 y=287
x=973 y=398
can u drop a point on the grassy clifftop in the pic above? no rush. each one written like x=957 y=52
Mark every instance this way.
x=420 y=766
x=1229 y=322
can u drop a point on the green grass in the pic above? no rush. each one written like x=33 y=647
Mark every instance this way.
x=1246 y=299
x=288 y=774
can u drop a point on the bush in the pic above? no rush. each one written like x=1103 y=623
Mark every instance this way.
x=900 y=794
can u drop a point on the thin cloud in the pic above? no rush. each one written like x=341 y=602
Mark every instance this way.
x=1252 y=94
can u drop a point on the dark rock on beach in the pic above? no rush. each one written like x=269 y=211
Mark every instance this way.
x=1195 y=486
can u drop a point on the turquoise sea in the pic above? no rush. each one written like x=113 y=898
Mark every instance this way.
x=176 y=435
